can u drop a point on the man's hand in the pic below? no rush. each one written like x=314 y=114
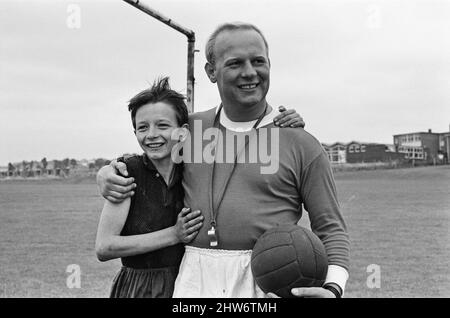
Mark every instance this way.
x=188 y=224
x=113 y=187
x=288 y=118
x=312 y=292
x=308 y=292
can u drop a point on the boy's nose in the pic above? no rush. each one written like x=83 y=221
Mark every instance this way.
x=152 y=132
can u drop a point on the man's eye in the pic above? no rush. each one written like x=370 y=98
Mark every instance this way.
x=142 y=128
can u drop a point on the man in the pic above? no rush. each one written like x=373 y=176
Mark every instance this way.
x=239 y=201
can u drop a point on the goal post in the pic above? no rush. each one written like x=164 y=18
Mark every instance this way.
x=190 y=49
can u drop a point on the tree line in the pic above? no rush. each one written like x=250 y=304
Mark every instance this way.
x=55 y=167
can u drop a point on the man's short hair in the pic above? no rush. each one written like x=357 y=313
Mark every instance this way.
x=229 y=26
x=160 y=91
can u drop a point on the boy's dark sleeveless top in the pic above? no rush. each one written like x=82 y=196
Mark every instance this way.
x=154 y=207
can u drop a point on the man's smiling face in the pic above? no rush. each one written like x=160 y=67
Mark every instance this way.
x=242 y=68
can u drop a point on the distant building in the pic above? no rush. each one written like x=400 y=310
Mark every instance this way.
x=27 y=169
x=361 y=152
x=337 y=152
x=444 y=147
x=3 y=171
x=371 y=152
x=424 y=147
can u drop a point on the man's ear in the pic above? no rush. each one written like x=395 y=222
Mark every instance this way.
x=211 y=72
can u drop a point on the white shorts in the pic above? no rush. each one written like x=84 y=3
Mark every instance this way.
x=212 y=273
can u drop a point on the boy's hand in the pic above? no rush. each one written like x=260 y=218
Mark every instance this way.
x=288 y=118
x=188 y=224
x=113 y=187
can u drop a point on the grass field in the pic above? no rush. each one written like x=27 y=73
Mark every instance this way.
x=397 y=219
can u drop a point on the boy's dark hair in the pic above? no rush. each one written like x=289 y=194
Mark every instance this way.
x=160 y=92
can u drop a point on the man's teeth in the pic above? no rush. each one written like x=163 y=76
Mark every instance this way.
x=249 y=86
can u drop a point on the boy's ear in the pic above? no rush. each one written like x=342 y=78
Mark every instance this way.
x=211 y=72
x=184 y=133
x=180 y=134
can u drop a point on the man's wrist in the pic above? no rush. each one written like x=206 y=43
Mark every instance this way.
x=334 y=288
x=337 y=275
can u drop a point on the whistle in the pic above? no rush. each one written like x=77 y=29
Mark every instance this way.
x=212 y=237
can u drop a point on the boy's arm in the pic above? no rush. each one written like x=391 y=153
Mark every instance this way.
x=110 y=244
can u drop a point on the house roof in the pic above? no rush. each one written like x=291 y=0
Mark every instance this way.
x=334 y=144
x=423 y=133
x=353 y=142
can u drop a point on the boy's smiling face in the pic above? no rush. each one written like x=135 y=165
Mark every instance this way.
x=154 y=126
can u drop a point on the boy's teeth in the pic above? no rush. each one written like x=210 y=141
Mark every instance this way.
x=154 y=145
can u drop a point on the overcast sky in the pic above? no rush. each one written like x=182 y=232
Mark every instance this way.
x=355 y=70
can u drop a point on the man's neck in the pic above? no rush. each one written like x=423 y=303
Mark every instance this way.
x=245 y=114
x=241 y=126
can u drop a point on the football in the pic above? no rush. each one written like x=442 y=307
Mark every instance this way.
x=288 y=256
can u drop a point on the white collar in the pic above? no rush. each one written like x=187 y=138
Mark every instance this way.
x=241 y=126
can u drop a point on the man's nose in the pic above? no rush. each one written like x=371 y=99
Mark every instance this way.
x=248 y=70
